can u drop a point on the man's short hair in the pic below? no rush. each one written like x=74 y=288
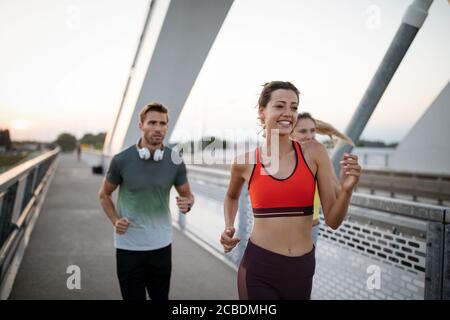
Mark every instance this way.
x=154 y=106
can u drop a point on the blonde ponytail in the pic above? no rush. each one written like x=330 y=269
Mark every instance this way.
x=327 y=129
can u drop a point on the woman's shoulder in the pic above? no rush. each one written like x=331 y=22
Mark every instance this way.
x=314 y=151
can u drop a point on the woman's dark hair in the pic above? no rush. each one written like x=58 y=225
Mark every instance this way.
x=270 y=87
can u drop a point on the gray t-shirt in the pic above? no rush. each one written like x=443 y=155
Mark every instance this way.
x=144 y=197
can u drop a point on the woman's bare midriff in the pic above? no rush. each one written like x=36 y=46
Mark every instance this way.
x=289 y=236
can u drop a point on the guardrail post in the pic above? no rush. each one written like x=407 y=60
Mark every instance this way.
x=434 y=261
x=6 y=212
x=446 y=271
x=20 y=193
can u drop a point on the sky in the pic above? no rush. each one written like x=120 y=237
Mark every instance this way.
x=64 y=64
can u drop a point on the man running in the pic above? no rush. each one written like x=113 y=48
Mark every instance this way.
x=145 y=172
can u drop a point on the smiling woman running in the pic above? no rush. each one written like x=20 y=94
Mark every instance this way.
x=279 y=261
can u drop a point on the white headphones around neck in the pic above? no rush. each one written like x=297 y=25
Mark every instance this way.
x=144 y=153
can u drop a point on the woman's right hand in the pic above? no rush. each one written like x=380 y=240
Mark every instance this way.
x=227 y=240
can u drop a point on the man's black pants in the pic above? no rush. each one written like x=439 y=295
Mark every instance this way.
x=144 y=270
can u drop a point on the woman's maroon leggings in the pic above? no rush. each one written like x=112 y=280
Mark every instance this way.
x=266 y=275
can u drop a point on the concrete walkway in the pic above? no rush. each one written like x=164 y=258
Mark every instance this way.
x=73 y=230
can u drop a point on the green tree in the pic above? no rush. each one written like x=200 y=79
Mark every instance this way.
x=96 y=141
x=67 y=142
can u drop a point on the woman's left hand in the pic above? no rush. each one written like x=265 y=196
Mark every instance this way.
x=350 y=171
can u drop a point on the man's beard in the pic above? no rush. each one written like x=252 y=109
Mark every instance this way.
x=153 y=141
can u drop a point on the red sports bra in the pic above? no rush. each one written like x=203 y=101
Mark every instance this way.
x=273 y=197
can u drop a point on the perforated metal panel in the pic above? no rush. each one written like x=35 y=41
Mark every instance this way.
x=343 y=273
x=345 y=258
x=403 y=250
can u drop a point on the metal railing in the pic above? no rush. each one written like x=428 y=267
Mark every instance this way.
x=22 y=191
x=408 y=242
x=378 y=159
x=414 y=184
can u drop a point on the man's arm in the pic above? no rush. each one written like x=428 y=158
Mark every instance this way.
x=104 y=194
x=186 y=199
